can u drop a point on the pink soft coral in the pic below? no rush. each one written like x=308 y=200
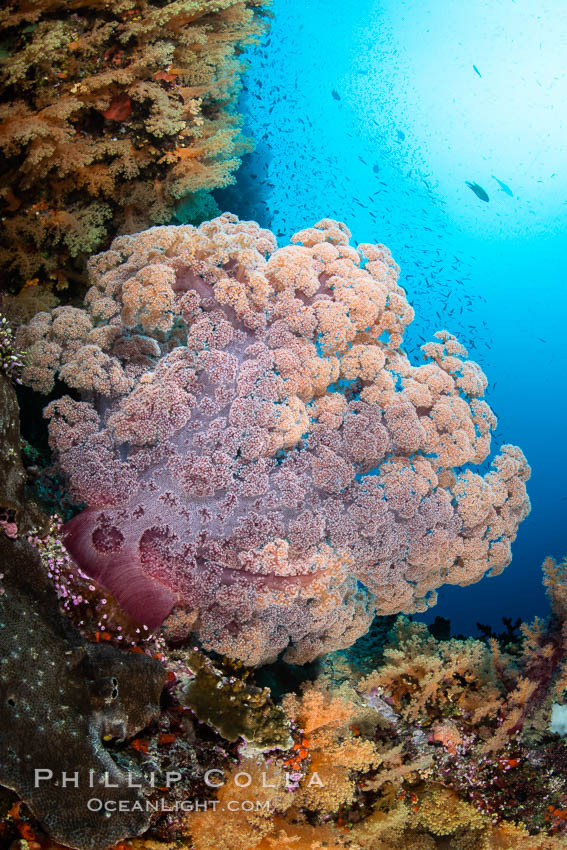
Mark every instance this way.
x=254 y=446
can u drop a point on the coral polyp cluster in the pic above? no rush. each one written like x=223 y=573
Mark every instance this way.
x=253 y=446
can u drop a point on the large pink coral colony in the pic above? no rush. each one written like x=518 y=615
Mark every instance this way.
x=254 y=447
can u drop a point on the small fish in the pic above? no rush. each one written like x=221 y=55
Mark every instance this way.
x=335 y=94
x=401 y=135
x=503 y=186
x=477 y=71
x=478 y=190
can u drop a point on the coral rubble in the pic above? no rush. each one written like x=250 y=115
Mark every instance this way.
x=111 y=113
x=254 y=446
x=60 y=698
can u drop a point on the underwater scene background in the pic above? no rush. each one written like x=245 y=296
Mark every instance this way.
x=374 y=114
x=282 y=383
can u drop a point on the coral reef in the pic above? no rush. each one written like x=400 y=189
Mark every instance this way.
x=233 y=707
x=11 y=362
x=93 y=610
x=17 y=514
x=254 y=445
x=111 y=113
x=445 y=744
x=32 y=298
x=60 y=698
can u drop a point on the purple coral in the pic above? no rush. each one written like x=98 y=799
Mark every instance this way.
x=254 y=446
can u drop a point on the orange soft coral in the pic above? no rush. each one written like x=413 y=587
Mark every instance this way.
x=111 y=115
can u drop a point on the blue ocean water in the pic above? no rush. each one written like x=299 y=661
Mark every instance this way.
x=378 y=114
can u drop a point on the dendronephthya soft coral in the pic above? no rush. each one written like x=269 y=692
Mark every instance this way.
x=111 y=114
x=254 y=447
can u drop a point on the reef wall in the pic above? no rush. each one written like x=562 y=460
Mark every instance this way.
x=111 y=113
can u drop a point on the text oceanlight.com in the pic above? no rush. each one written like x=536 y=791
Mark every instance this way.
x=95 y=804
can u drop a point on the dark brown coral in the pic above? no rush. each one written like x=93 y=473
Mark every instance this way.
x=59 y=698
x=233 y=707
x=111 y=112
x=16 y=514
